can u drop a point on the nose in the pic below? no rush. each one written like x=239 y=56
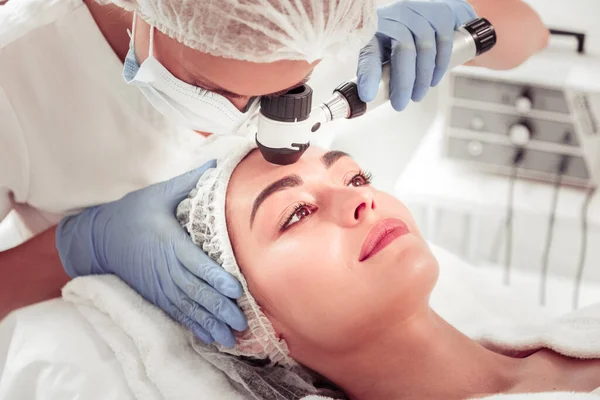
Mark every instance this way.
x=351 y=205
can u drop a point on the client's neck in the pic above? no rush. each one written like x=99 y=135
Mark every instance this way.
x=421 y=358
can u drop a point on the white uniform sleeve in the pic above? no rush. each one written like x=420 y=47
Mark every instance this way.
x=14 y=174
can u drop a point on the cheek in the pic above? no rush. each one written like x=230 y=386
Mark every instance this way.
x=304 y=285
x=294 y=271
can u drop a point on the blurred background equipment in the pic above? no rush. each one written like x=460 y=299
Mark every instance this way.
x=548 y=108
x=507 y=175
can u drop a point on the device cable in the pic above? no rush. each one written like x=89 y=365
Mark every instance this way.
x=516 y=162
x=562 y=167
x=583 y=250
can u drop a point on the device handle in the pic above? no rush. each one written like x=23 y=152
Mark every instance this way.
x=580 y=37
x=463 y=50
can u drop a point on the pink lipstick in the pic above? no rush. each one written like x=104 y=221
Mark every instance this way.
x=382 y=234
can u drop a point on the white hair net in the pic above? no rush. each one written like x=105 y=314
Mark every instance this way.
x=261 y=31
x=203 y=216
x=260 y=364
x=267 y=382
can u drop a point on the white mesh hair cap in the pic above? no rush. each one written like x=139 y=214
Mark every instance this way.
x=261 y=31
x=202 y=214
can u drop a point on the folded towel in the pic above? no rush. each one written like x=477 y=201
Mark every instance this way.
x=155 y=352
x=474 y=302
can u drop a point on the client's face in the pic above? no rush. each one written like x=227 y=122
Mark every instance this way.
x=330 y=259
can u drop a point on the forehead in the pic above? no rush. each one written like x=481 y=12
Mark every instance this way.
x=253 y=174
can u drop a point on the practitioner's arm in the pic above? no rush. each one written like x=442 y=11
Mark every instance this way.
x=30 y=273
x=521 y=32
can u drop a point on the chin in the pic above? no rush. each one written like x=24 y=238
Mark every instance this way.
x=409 y=270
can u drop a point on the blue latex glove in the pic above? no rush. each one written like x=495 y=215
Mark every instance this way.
x=139 y=239
x=416 y=37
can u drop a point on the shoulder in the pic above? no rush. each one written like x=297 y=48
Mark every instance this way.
x=19 y=18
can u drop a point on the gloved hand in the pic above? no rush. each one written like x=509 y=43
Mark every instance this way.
x=416 y=37
x=139 y=239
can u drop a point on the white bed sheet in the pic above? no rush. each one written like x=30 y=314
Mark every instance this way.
x=50 y=352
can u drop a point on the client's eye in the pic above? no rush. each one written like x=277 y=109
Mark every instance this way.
x=361 y=179
x=299 y=212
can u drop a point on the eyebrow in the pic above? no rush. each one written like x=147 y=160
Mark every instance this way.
x=329 y=158
x=287 y=182
x=290 y=181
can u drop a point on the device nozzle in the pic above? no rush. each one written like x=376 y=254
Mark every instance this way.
x=282 y=156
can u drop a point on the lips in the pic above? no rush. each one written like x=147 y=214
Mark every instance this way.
x=382 y=234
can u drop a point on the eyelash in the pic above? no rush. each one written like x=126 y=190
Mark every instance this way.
x=223 y=93
x=230 y=95
x=366 y=175
x=285 y=224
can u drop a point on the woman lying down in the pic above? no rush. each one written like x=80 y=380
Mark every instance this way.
x=350 y=301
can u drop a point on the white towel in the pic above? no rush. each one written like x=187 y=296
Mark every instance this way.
x=527 y=396
x=474 y=302
x=155 y=353
x=159 y=362
x=492 y=314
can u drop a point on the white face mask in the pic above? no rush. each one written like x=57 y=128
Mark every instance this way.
x=197 y=108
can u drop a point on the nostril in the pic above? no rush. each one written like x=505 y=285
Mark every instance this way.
x=358 y=209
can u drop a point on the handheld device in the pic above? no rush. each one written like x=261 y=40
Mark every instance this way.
x=287 y=122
